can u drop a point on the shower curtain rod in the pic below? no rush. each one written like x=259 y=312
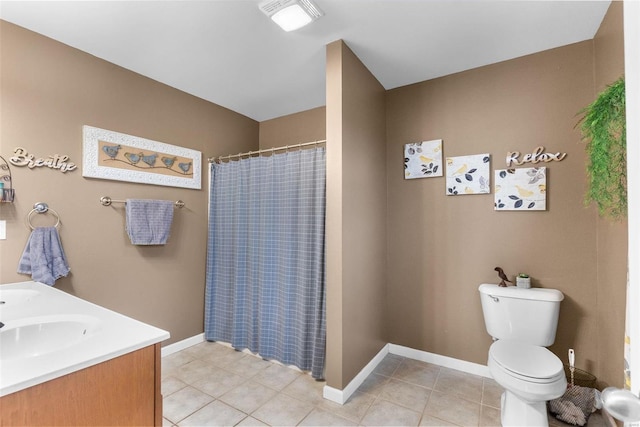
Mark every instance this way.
x=271 y=150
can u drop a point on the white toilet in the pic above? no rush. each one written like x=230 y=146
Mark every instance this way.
x=522 y=323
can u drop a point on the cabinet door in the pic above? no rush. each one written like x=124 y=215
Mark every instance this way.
x=120 y=391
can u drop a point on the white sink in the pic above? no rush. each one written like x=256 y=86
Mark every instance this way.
x=35 y=336
x=11 y=297
x=49 y=333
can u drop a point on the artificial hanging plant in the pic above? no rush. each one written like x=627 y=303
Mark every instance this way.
x=604 y=128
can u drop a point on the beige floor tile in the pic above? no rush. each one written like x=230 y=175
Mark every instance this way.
x=373 y=384
x=193 y=371
x=353 y=409
x=276 y=376
x=465 y=385
x=453 y=409
x=248 y=396
x=305 y=388
x=203 y=350
x=167 y=423
x=247 y=366
x=218 y=381
x=416 y=372
x=405 y=394
x=319 y=417
x=429 y=421
x=400 y=391
x=223 y=356
x=491 y=393
x=388 y=366
x=489 y=417
x=283 y=410
x=214 y=414
x=383 y=413
x=171 y=384
x=183 y=403
x=250 y=422
x=176 y=359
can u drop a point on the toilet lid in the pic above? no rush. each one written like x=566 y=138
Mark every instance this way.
x=525 y=359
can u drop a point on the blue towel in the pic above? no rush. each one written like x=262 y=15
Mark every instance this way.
x=43 y=257
x=149 y=221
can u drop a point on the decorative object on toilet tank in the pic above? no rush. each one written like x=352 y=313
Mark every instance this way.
x=468 y=174
x=603 y=126
x=423 y=159
x=523 y=189
x=503 y=277
x=523 y=281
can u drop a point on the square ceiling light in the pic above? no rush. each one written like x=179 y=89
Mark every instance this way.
x=291 y=14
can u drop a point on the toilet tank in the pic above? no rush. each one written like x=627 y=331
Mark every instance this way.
x=529 y=315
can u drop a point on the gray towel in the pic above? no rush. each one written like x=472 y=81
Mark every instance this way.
x=43 y=257
x=149 y=221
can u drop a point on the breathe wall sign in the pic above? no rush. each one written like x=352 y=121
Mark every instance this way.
x=538 y=155
x=54 y=161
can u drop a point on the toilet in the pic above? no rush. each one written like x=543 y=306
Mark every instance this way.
x=523 y=323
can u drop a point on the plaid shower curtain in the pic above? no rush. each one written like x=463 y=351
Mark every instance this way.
x=265 y=287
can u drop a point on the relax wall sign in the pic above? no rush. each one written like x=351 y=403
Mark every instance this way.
x=54 y=161
x=538 y=155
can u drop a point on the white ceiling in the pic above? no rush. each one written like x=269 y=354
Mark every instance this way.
x=228 y=52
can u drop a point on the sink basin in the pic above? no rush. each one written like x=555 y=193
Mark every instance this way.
x=10 y=297
x=35 y=336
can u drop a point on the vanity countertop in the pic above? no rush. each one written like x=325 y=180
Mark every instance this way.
x=49 y=333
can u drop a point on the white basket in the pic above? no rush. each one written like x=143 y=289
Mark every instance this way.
x=523 y=282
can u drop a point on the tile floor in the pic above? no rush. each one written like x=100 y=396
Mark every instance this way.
x=211 y=384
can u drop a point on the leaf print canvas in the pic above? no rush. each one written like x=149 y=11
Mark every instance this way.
x=423 y=159
x=523 y=189
x=468 y=174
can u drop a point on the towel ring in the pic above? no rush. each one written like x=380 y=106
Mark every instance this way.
x=40 y=208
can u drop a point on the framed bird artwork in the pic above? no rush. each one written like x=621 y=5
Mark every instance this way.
x=121 y=157
x=468 y=174
x=423 y=159
x=523 y=189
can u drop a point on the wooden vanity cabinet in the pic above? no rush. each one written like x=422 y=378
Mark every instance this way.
x=124 y=391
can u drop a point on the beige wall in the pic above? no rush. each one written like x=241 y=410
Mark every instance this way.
x=48 y=91
x=440 y=248
x=437 y=248
x=612 y=237
x=305 y=126
x=356 y=215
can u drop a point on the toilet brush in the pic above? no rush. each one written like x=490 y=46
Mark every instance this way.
x=572 y=361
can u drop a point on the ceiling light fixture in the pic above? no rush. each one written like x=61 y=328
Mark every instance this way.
x=291 y=14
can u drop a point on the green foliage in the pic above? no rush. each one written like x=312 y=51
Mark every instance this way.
x=604 y=128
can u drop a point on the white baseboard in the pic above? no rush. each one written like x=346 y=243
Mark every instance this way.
x=181 y=345
x=444 y=361
x=341 y=396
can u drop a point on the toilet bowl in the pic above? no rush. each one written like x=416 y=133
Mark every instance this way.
x=531 y=375
x=523 y=322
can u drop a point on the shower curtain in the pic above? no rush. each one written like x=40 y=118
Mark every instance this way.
x=265 y=283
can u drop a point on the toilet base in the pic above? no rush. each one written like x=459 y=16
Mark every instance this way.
x=517 y=412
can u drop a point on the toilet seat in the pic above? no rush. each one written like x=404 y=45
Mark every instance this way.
x=527 y=362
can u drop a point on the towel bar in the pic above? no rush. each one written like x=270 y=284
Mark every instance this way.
x=107 y=201
x=41 y=207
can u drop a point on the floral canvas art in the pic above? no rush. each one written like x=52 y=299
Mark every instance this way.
x=423 y=159
x=468 y=174
x=523 y=189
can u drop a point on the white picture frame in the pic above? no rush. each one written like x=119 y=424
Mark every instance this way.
x=523 y=189
x=117 y=156
x=468 y=174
